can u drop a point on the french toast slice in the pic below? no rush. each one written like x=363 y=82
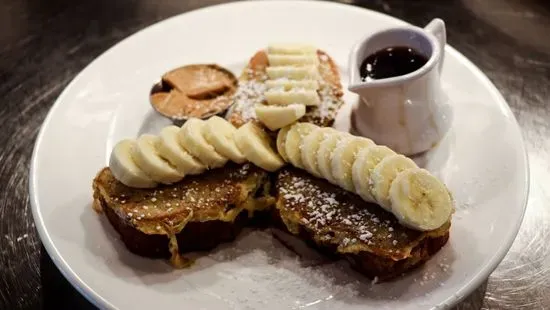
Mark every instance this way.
x=340 y=222
x=203 y=211
x=195 y=214
x=252 y=87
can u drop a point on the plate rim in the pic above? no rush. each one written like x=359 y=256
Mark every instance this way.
x=99 y=301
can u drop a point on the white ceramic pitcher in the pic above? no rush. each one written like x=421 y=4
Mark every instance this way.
x=408 y=113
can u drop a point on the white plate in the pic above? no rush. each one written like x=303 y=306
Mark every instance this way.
x=482 y=160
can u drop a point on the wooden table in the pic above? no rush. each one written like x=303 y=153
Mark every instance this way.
x=44 y=44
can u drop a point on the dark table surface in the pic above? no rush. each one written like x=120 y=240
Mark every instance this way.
x=44 y=44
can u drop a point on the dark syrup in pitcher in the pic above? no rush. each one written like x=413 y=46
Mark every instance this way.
x=390 y=62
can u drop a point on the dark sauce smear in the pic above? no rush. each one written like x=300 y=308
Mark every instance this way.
x=390 y=62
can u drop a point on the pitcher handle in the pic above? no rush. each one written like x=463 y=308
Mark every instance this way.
x=437 y=28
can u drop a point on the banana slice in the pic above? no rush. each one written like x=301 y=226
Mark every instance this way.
x=286 y=84
x=281 y=141
x=324 y=154
x=363 y=166
x=291 y=49
x=147 y=157
x=219 y=133
x=342 y=160
x=292 y=72
x=310 y=146
x=255 y=144
x=125 y=169
x=170 y=149
x=294 y=140
x=383 y=175
x=298 y=96
x=292 y=60
x=275 y=117
x=419 y=200
x=192 y=139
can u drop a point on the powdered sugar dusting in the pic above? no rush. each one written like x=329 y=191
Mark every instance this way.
x=267 y=271
x=258 y=272
x=247 y=96
x=329 y=102
x=341 y=217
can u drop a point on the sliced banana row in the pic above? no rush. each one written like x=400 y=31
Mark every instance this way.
x=306 y=97
x=292 y=85
x=290 y=49
x=308 y=72
x=196 y=146
x=286 y=84
x=375 y=172
x=292 y=60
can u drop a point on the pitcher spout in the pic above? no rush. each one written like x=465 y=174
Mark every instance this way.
x=360 y=87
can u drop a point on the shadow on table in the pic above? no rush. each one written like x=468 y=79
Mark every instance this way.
x=57 y=292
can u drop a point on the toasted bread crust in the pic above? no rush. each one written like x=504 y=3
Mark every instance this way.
x=387 y=269
x=370 y=264
x=251 y=92
x=195 y=236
